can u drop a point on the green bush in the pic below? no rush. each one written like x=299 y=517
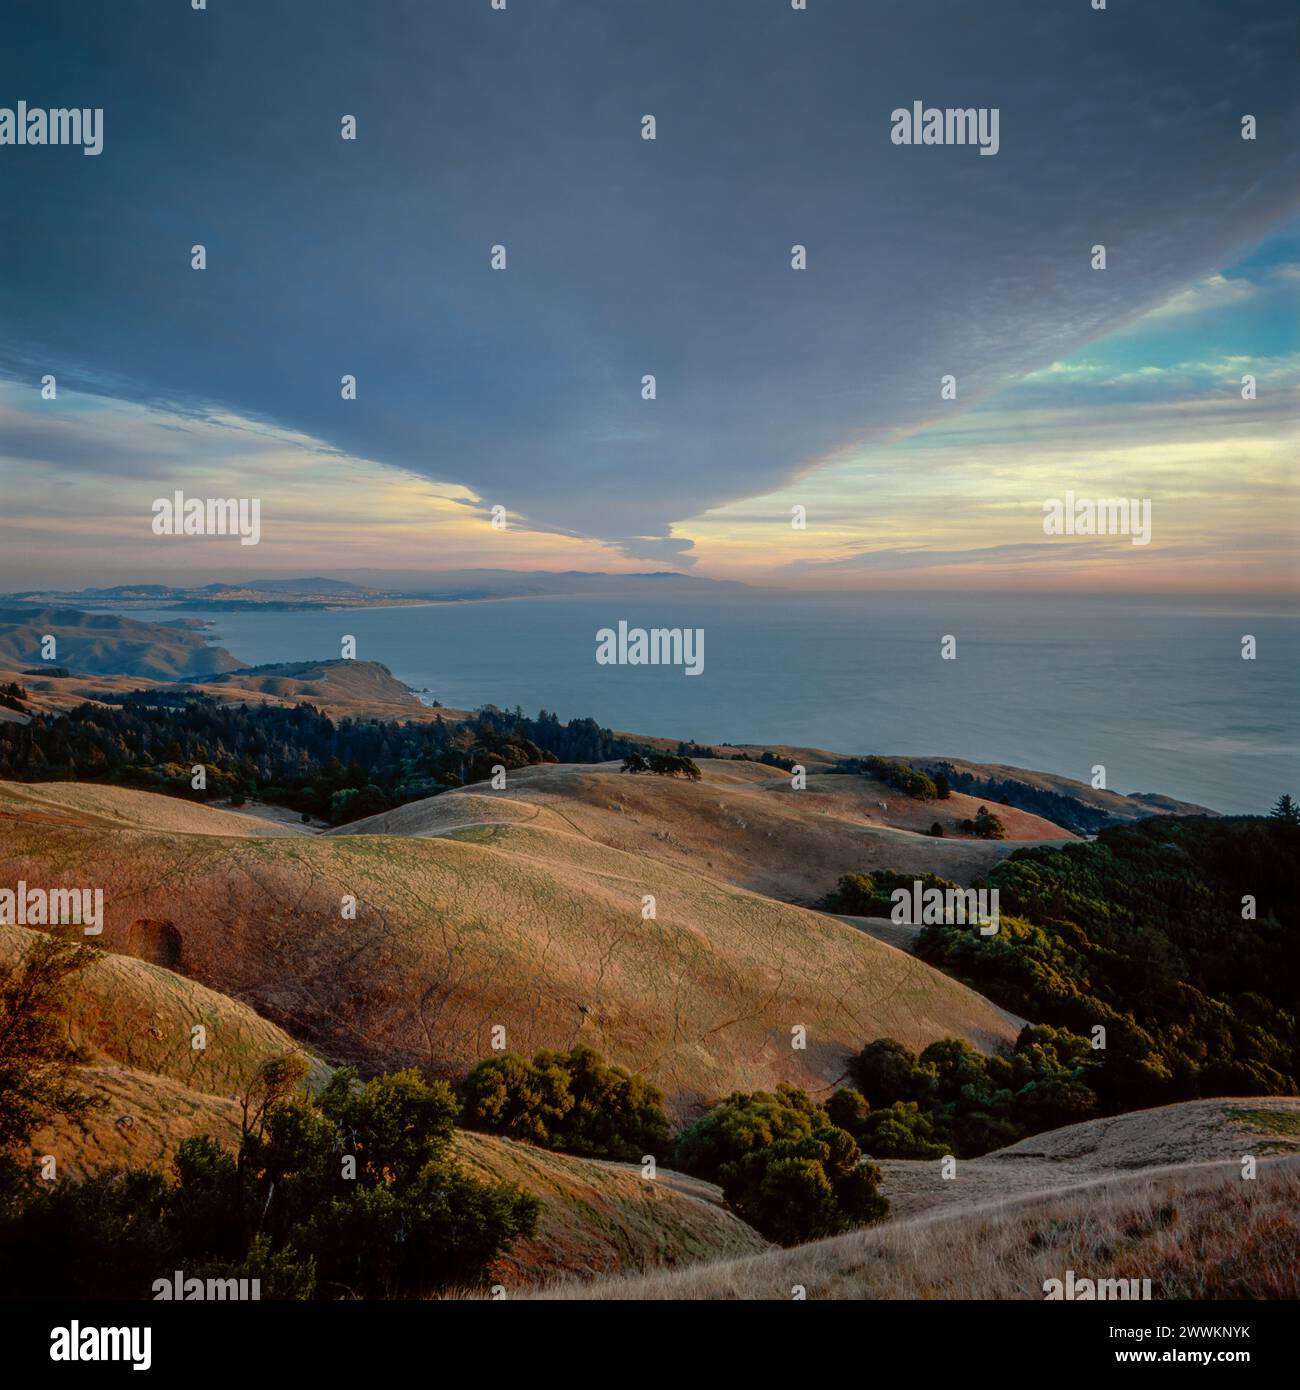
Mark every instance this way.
x=954 y=1099
x=352 y=1194
x=894 y=774
x=986 y=825
x=784 y=1166
x=1145 y=933
x=571 y=1101
x=871 y=895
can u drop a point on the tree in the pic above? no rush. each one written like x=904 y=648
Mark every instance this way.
x=886 y=1071
x=354 y=1193
x=903 y=1130
x=1286 y=810
x=105 y=1236
x=571 y=1101
x=847 y=1109
x=784 y=1166
x=37 y=1062
x=986 y=825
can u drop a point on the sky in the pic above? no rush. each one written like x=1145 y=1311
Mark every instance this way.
x=776 y=388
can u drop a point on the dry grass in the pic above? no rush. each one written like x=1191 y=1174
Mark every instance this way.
x=135 y=1014
x=1192 y=1132
x=144 y=1120
x=539 y=929
x=86 y=803
x=741 y=824
x=341 y=689
x=1195 y=1232
x=600 y=1219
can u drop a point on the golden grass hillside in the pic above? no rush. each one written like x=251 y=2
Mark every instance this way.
x=602 y=1218
x=1196 y=1232
x=340 y=689
x=538 y=929
x=143 y=1121
x=1216 y=1131
x=87 y=803
x=138 y=1015
x=741 y=823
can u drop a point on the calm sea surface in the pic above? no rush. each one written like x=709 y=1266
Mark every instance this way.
x=1156 y=691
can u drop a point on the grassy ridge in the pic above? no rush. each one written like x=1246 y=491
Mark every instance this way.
x=538 y=930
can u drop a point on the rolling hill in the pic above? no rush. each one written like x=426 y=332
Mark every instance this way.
x=1196 y=1232
x=1155 y=1194
x=340 y=689
x=740 y=824
x=134 y=1021
x=137 y=1015
x=86 y=803
x=597 y=1219
x=104 y=643
x=531 y=925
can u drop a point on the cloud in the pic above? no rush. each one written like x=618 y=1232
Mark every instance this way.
x=977 y=557
x=626 y=257
x=1213 y=293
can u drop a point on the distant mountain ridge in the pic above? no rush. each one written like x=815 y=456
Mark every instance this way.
x=382 y=588
x=107 y=643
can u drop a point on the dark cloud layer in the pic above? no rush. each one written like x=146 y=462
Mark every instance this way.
x=626 y=257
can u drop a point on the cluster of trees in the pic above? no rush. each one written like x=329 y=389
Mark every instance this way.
x=12 y=696
x=1177 y=935
x=572 y=1101
x=871 y=895
x=337 y=770
x=770 y=759
x=905 y=778
x=985 y=825
x=766 y=757
x=665 y=764
x=1057 y=807
x=954 y=1100
x=784 y=1165
x=351 y=1193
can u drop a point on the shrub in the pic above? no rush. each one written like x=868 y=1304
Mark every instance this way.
x=37 y=1061
x=572 y=1101
x=784 y=1166
x=954 y=1099
x=863 y=895
x=905 y=778
x=986 y=825
x=355 y=1193
x=885 y=1071
x=848 y=1110
x=903 y=1130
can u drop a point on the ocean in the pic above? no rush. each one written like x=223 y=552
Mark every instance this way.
x=1154 y=690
